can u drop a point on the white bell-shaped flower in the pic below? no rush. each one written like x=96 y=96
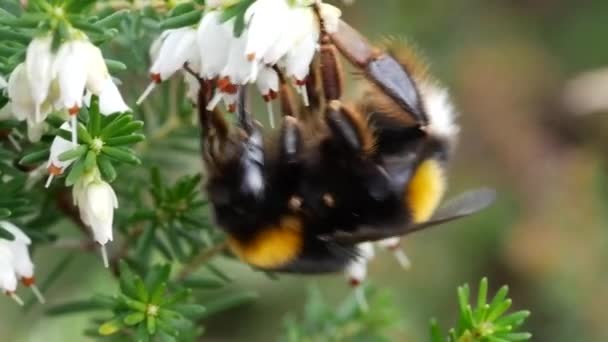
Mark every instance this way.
x=394 y=246
x=20 y=260
x=265 y=20
x=70 y=68
x=268 y=85
x=59 y=145
x=356 y=271
x=8 y=278
x=179 y=47
x=171 y=51
x=97 y=70
x=39 y=62
x=214 y=40
x=110 y=99
x=20 y=94
x=239 y=69
x=96 y=201
x=22 y=105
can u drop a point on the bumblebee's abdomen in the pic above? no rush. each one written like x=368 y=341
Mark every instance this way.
x=272 y=246
x=425 y=190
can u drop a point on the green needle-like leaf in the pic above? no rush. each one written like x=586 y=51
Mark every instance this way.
x=120 y=155
x=74 y=153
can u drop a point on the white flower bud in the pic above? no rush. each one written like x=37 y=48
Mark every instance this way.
x=97 y=201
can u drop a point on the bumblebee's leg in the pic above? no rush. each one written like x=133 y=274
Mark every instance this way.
x=286 y=97
x=380 y=68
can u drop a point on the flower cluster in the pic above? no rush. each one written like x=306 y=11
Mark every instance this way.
x=55 y=80
x=15 y=263
x=100 y=143
x=278 y=36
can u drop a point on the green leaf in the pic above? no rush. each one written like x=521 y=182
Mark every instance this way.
x=128 y=129
x=120 y=155
x=27 y=20
x=74 y=307
x=119 y=122
x=12 y=35
x=106 y=169
x=83 y=134
x=94 y=123
x=77 y=6
x=125 y=140
x=35 y=157
x=181 y=9
x=157 y=277
x=110 y=327
x=76 y=172
x=126 y=279
x=497 y=310
x=74 y=153
x=186 y=19
x=436 y=335
x=86 y=26
x=113 y=19
x=90 y=161
x=192 y=311
x=115 y=66
x=65 y=134
x=133 y=304
x=514 y=319
x=134 y=318
x=151 y=325
x=482 y=294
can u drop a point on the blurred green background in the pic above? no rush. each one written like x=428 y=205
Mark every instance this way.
x=525 y=131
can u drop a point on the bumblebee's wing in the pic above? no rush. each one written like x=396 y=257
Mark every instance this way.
x=463 y=205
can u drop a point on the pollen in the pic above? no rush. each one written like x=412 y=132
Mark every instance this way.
x=425 y=190
x=273 y=246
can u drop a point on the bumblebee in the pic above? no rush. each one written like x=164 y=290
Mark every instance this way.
x=334 y=175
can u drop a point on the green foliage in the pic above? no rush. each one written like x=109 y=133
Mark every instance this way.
x=63 y=20
x=346 y=322
x=176 y=223
x=486 y=322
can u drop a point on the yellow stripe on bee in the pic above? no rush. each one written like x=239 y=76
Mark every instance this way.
x=425 y=190
x=273 y=246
